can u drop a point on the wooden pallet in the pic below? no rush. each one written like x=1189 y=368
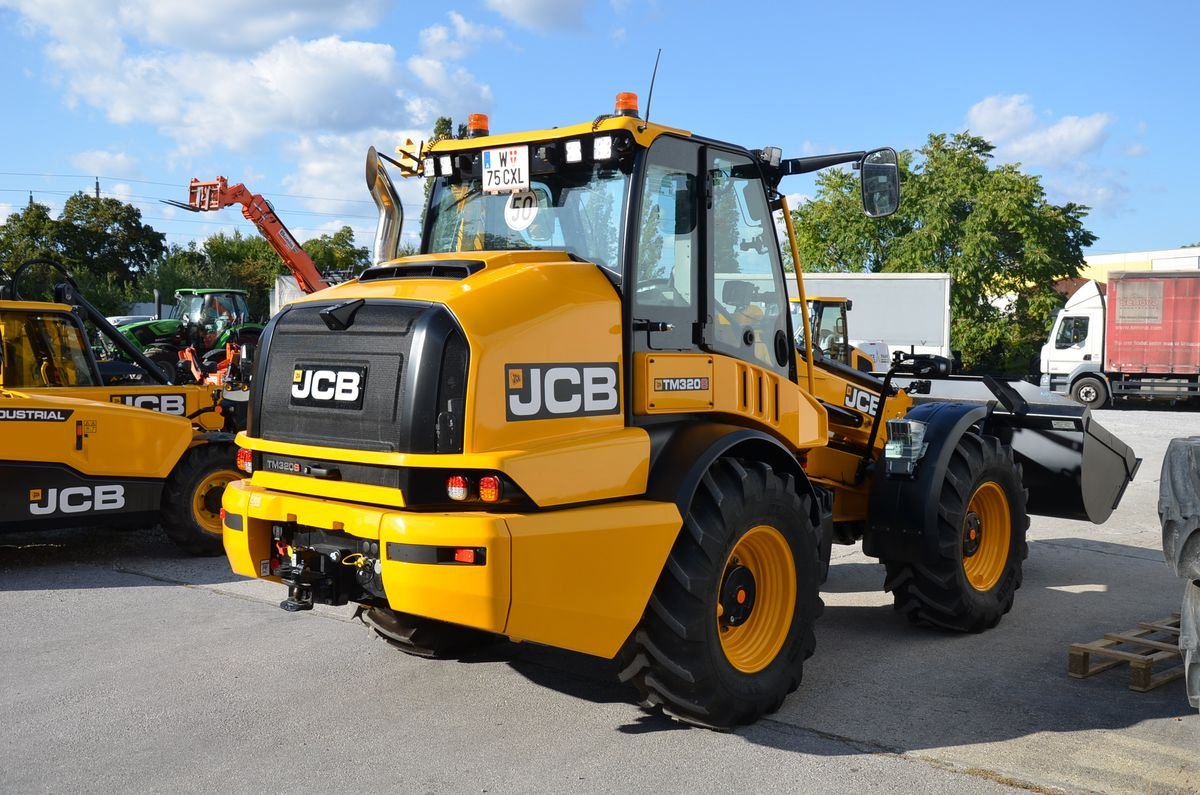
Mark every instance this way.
x=1154 y=645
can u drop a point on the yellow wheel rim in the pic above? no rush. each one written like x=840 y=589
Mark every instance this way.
x=987 y=535
x=206 y=499
x=757 y=599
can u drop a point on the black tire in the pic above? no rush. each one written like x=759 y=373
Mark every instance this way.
x=191 y=503
x=972 y=583
x=681 y=656
x=1090 y=391
x=424 y=637
x=166 y=360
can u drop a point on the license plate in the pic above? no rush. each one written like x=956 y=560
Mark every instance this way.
x=506 y=169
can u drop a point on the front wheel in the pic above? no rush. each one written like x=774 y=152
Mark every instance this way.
x=1090 y=391
x=191 y=507
x=981 y=525
x=730 y=621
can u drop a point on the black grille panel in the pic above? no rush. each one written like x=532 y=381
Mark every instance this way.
x=392 y=351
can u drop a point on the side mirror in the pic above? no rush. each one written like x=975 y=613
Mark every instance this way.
x=880 y=183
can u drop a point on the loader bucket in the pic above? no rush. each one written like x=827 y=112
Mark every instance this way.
x=1072 y=467
x=1076 y=473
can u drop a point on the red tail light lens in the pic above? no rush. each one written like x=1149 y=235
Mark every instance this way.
x=489 y=488
x=245 y=460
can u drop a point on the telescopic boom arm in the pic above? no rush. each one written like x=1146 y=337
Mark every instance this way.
x=219 y=194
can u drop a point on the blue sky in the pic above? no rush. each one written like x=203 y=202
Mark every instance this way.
x=1098 y=98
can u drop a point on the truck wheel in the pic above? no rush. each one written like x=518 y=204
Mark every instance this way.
x=1090 y=391
x=981 y=525
x=730 y=621
x=191 y=507
x=424 y=637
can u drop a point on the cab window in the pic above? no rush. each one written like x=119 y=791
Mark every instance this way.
x=667 y=249
x=1074 y=330
x=746 y=288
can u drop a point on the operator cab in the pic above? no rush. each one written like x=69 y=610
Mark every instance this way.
x=683 y=226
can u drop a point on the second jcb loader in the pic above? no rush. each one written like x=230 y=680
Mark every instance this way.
x=76 y=451
x=570 y=421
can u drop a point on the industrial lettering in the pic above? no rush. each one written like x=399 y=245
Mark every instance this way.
x=35 y=415
x=561 y=390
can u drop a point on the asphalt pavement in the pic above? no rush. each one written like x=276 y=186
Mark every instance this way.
x=127 y=668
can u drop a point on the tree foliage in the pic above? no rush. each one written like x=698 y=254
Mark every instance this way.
x=103 y=242
x=990 y=228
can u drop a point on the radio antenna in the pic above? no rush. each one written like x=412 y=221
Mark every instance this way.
x=650 y=93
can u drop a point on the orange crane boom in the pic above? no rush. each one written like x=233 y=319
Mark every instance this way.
x=219 y=194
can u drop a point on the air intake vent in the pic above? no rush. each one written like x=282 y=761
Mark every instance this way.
x=441 y=269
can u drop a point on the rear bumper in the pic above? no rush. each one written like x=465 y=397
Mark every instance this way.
x=577 y=578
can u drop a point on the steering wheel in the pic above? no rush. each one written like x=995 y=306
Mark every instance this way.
x=664 y=289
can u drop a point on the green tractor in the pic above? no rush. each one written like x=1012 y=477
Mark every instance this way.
x=203 y=319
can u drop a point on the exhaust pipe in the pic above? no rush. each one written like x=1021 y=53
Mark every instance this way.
x=391 y=213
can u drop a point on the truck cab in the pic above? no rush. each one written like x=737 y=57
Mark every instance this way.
x=1072 y=359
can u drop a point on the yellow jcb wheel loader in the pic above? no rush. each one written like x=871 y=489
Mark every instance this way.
x=570 y=421
x=75 y=452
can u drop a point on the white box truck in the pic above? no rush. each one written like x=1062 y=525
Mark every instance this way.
x=905 y=311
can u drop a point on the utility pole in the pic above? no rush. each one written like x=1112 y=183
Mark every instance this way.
x=97 y=187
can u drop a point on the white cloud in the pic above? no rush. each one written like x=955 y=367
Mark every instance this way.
x=100 y=162
x=6 y=210
x=618 y=36
x=1136 y=150
x=135 y=63
x=541 y=15
x=1064 y=142
x=1012 y=125
x=1001 y=118
x=1098 y=190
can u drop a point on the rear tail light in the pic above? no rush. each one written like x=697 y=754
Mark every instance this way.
x=457 y=488
x=245 y=460
x=489 y=488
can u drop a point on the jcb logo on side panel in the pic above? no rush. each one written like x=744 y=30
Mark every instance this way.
x=328 y=387
x=545 y=391
x=861 y=400
x=77 y=499
x=164 y=404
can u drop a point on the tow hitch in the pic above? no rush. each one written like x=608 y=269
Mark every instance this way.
x=324 y=567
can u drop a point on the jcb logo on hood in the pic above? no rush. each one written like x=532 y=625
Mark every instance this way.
x=326 y=387
x=543 y=391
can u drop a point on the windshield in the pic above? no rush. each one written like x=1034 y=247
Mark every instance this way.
x=578 y=210
x=187 y=306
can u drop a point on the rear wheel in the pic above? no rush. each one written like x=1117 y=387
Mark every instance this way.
x=166 y=360
x=1090 y=391
x=191 y=508
x=981 y=526
x=424 y=637
x=730 y=621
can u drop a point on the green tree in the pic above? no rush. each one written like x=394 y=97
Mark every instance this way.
x=27 y=234
x=336 y=255
x=106 y=236
x=990 y=228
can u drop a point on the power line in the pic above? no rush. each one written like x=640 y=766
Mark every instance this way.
x=166 y=184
